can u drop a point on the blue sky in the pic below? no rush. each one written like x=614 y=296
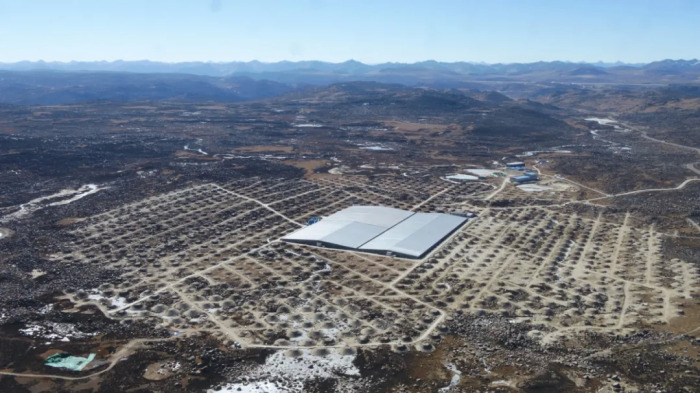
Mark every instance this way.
x=369 y=31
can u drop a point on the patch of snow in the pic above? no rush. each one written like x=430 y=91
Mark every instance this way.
x=42 y=202
x=54 y=331
x=502 y=382
x=83 y=191
x=607 y=122
x=456 y=376
x=200 y=151
x=308 y=125
x=330 y=333
x=36 y=273
x=292 y=372
x=115 y=301
x=376 y=148
x=326 y=268
x=252 y=387
x=145 y=174
x=600 y=120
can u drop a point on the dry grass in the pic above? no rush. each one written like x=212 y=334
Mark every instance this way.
x=69 y=221
x=309 y=166
x=688 y=104
x=193 y=156
x=402 y=126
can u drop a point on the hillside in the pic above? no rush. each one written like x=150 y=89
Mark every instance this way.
x=429 y=73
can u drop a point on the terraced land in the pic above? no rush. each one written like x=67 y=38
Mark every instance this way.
x=209 y=259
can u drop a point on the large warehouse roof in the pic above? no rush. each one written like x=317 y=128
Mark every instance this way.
x=415 y=235
x=380 y=229
x=351 y=227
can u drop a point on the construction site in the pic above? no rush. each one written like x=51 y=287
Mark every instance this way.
x=356 y=237
x=214 y=258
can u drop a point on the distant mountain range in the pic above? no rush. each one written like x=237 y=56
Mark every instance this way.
x=56 y=87
x=352 y=68
x=59 y=83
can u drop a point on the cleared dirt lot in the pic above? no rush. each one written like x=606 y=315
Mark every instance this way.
x=209 y=258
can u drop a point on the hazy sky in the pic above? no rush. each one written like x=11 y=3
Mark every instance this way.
x=370 y=31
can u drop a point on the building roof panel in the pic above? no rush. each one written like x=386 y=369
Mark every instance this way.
x=380 y=229
x=415 y=235
x=374 y=215
x=353 y=235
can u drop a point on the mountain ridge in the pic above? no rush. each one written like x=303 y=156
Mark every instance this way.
x=349 y=66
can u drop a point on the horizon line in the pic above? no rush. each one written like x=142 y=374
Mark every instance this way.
x=332 y=62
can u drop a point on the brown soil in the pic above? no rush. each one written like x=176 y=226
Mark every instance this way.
x=157 y=371
x=309 y=166
x=193 y=156
x=266 y=148
x=69 y=221
x=689 y=323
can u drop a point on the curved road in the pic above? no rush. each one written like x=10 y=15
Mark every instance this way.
x=681 y=186
x=644 y=135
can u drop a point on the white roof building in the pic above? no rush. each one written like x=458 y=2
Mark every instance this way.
x=380 y=229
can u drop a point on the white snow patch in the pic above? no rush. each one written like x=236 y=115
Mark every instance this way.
x=83 y=191
x=607 y=122
x=66 y=196
x=456 y=376
x=290 y=373
x=115 y=301
x=200 y=151
x=252 y=387
x=376 y=148
x=603 y=121
x=335 y=171
x=54 y=331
